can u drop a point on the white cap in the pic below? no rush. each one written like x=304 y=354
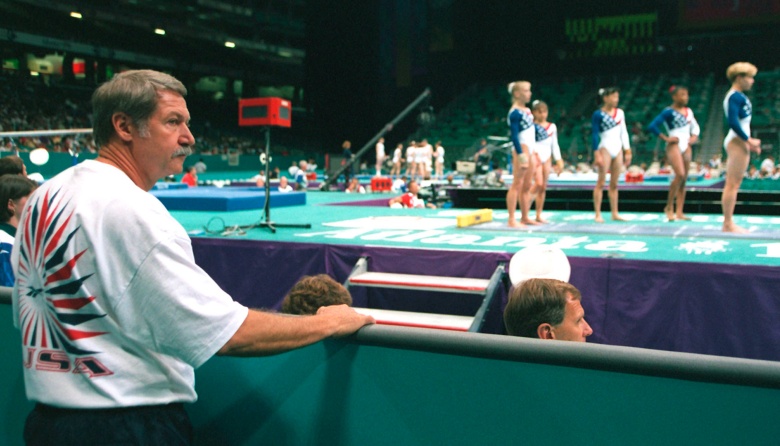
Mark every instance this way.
x=539 y=262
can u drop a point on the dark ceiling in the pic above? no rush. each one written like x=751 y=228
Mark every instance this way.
x=269 y=35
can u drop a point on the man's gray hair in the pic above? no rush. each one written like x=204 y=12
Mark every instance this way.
x=134 y=93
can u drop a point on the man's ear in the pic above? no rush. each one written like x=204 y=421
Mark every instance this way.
x=122 y=124
x=544 y=331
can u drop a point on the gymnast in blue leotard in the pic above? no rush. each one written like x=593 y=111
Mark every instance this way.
x=682 y=130
x=738 y=142
x=523 y=135
x=610 y=149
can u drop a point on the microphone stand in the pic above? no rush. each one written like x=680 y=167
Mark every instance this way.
x=267 y=205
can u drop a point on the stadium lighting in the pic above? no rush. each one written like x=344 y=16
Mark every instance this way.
x=159 y=31
x=75 y=15
x=230 y=44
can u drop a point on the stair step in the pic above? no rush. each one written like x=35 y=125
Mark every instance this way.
x=421 y=282
x=420 y=320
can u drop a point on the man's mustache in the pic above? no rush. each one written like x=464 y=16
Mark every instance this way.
x=183 y=151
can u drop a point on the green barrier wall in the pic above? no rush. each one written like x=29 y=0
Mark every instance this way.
x=400 y=386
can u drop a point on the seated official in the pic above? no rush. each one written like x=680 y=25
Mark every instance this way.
x=410 y=199
x=312 y=292
x=546 y=309
x=284 y=185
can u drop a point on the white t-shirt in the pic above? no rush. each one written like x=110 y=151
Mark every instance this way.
x=112 y=309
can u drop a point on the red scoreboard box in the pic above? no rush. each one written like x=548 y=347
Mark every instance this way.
x=265 y=111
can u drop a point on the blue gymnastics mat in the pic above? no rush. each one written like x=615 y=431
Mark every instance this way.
x=225 y=199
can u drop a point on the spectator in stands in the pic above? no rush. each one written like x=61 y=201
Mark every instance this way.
x=439 y=154
x=495 y=178
x=275 y=173
x=14 y=192
x=410 y=199
x=259 y=179
x=200 y=166
x=354 y=186
x=190 y=178
x=753 y=173
x=312 y=292
x=768 y=166
x=293 y=169
x=482 y=157
x=301 y=178
x=284 y=185
x=738 y=142
x=348 y=160
x=312 y=165
x=399 y=184
x=396 y=170
x=380 y=156
x=466 y=181
x=12 y=165
x=546 y=309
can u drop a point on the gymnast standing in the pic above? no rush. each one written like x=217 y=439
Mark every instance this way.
x=523 y=134
x=611 y=149
x=546 y=147
x=738 y=143
x=682 y=131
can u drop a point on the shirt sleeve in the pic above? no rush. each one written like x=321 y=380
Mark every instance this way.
x=736 y=102
x=695 y=129
x=556 y=149
x=514 y=130
x=624 y=133
x=595 y=129
x=176 y=308
x=655 y=125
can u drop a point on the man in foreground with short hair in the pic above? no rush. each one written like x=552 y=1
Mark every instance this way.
x=114 y=313
x=546 y=309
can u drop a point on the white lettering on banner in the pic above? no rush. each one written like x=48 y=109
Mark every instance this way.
x=755 y=220
x=453 y=239
x=530 y=241
x=569 y=242
x=617 y=245
x=498 y=241
x=348 y=234
x=384 y=235
x=772 y=249
x=414 y=236
x=706 y=247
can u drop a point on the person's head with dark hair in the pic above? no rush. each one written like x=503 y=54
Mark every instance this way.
x=546 y=309
x=12 y=165
x=679 y=95
x=609 y=96
x=312 y=292
x=14 y=191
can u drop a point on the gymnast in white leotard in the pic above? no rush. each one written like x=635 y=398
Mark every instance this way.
x=738 y=142
x=611 y=148
x=682 y=130
x=546 y=147
x=523 y=135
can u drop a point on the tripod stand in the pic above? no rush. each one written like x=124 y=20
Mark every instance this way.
x=267 y=206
